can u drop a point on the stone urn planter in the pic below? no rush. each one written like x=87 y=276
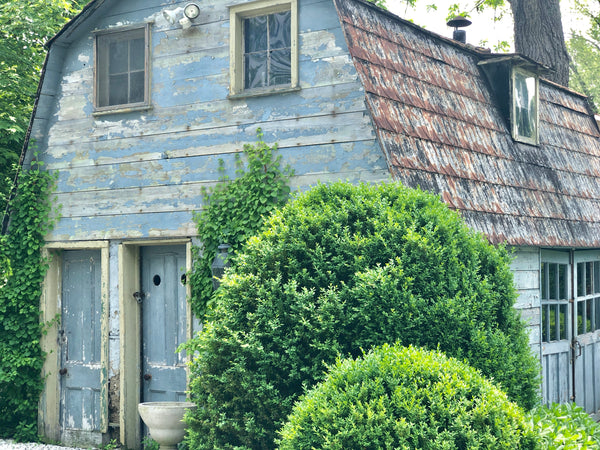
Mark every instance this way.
x=165 y=421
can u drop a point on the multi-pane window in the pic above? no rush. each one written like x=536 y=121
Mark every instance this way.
x=524 y=106
x=263 y=47
x=555 y=302
x=588 y=297
x=267 y=50
x=122 y=68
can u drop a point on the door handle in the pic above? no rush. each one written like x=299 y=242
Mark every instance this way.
x=576 y=347
x=63 y=371
x=147 y=377
x=139 y=296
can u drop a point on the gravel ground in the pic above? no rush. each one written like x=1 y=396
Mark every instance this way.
x=11 y=445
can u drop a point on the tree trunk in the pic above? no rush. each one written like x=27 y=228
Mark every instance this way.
x=539 y=35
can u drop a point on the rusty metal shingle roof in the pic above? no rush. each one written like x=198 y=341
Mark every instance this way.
x=441 y=129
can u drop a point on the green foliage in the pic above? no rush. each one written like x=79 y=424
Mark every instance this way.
x=150 y=444
x=235 y=210
x=405 y=398
x=584 y=52
x=21 y=357
x=380 y=3
x=340 y=269
x=566 y=427
x=25 y=26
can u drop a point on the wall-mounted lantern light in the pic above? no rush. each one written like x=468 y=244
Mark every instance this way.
x=219 y=264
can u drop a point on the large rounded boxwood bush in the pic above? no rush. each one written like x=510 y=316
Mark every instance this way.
x=409 y=398
x=339 y=269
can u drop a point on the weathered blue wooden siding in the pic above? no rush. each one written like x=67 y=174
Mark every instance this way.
x=140 y=174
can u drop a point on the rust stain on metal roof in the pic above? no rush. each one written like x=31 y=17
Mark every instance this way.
x=442 y=130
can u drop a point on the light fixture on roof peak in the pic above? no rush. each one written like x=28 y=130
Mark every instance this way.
x=459 y=22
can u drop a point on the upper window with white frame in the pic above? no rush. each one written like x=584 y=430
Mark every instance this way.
x=121 y=72
x=525 y=100
x=264 y=49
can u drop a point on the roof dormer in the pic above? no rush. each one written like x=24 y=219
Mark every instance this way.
x=514 y=80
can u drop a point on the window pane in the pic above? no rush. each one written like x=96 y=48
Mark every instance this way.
x=553 y=281
x=564 y=317
x=553 y=320
x=589 y=271
x=255 y=34
x=121 y=70
x=118 y=57
x=580 y=316
x=281 y=64
x=256 y=70
x=117 y=89
x=136 y=87
x=563 y=293
x=137 y=56
x=544 y=282
x=525 y=105
x=280 y=30
x=597 y=313
x=546 y=323
x=588 y=316
x=581 y=279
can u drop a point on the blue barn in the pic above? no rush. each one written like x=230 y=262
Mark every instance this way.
x=140 y=99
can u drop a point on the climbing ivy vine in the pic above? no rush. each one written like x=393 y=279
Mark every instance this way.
x=235 y=209
x=22 y=272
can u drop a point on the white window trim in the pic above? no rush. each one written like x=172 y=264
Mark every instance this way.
x=126 y=107
x=237 y=14
x=514 y=129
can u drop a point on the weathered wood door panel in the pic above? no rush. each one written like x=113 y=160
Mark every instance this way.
x=80 y=340
x=164 y=323
x=587 y=330
x=557 y=371
x=570 y=288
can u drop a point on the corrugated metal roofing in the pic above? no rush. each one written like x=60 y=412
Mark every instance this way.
x=442 y=130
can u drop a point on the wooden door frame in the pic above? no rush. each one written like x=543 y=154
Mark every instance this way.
x=50 y=309
x=130 y=333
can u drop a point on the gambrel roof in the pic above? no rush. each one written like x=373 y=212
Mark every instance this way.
x=440 y=127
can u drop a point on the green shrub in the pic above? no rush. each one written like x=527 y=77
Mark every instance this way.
x=408 y=398
x=344 y=268
x=565 y=427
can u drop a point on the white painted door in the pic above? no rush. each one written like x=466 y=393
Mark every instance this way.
x=80 y=346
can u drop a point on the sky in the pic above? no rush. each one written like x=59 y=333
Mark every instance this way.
x=483 y=28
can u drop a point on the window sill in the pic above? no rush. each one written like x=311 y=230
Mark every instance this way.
x=525 y=140
x=263 y=92
x=121 y=110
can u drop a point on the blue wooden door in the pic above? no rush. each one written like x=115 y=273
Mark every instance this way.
x=80 y=344
x=164 y=323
